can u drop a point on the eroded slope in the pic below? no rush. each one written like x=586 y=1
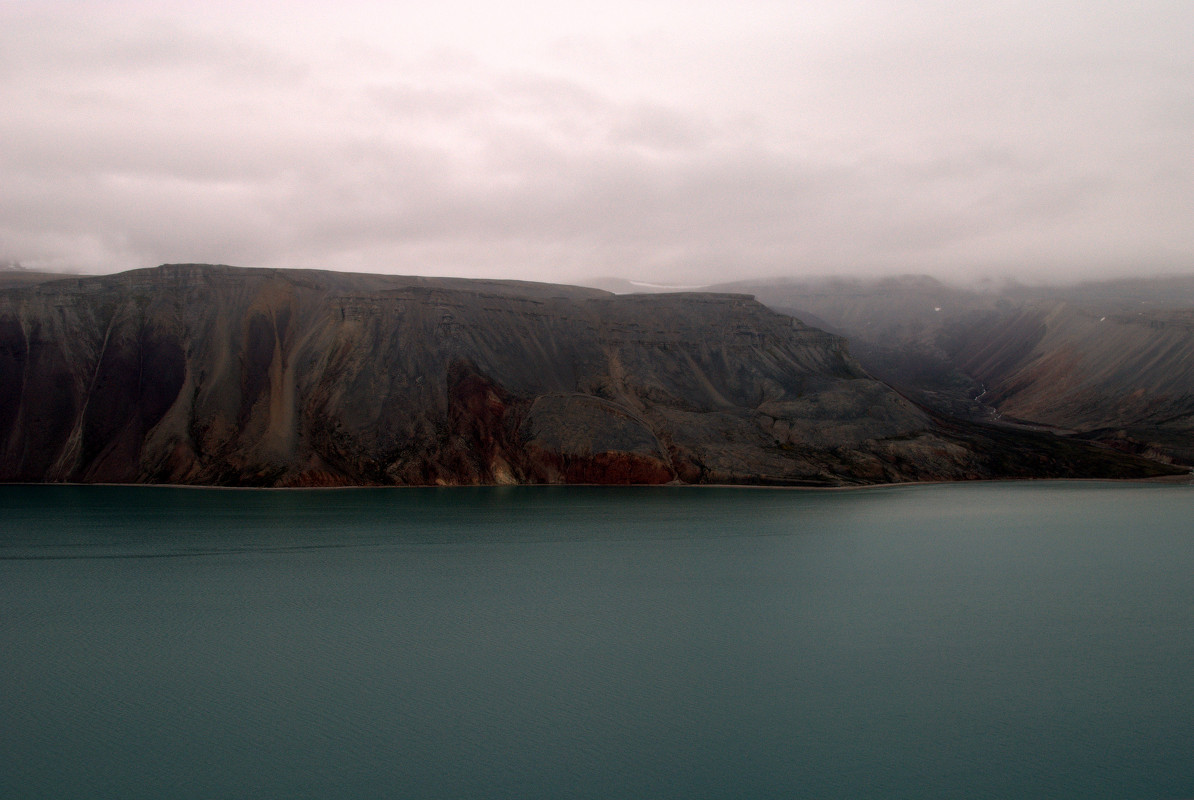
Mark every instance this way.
x=218 y=375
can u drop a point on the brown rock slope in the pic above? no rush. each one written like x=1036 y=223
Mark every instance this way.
x=218 y=375
x=1110 y=361
x=1126 y=378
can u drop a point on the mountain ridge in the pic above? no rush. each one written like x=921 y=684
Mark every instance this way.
x=217 y=375
x=1111 y=361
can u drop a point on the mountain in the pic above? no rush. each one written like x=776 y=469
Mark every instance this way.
x=217 y=375
x=1111 y=361
x=12 y=274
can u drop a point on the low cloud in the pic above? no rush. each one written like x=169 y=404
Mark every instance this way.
x=931 y=141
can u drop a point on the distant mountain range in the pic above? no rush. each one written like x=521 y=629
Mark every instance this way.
x=215 y=375
x=1109 y=361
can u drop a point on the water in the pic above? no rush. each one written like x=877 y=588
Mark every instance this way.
x=986 y=640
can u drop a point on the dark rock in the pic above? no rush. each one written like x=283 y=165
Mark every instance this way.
x=217 y=375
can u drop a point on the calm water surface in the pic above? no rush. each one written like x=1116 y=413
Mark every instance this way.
x=986 y=640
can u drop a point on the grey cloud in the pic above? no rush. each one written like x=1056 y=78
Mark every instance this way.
x=71 y=49
x=921 y=138
x=659 y=128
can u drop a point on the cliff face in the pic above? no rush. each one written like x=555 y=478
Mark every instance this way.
x=217 y=375
x=1126 y=378
x=1112 y=361
x=1082 y=369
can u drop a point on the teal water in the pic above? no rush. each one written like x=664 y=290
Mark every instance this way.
x=978 y=641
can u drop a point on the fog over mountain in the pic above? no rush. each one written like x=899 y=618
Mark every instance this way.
x=1111 y=361
x=666 y=142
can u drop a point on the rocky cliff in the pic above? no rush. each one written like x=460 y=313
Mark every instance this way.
x=217 y=375
x=1110 y=361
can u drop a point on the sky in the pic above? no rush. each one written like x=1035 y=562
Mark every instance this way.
x=664 y=141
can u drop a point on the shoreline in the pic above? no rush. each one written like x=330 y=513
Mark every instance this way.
x=1173 y=480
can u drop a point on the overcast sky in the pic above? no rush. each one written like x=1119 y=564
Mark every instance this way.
x=671 y=141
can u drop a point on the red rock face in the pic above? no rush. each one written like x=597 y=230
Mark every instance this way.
x=602 y=468
x=316 y=479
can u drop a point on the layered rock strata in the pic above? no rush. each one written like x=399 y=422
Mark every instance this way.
x=213 y=375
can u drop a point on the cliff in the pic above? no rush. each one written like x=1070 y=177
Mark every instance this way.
x=1110 y=361
x=217 y=375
